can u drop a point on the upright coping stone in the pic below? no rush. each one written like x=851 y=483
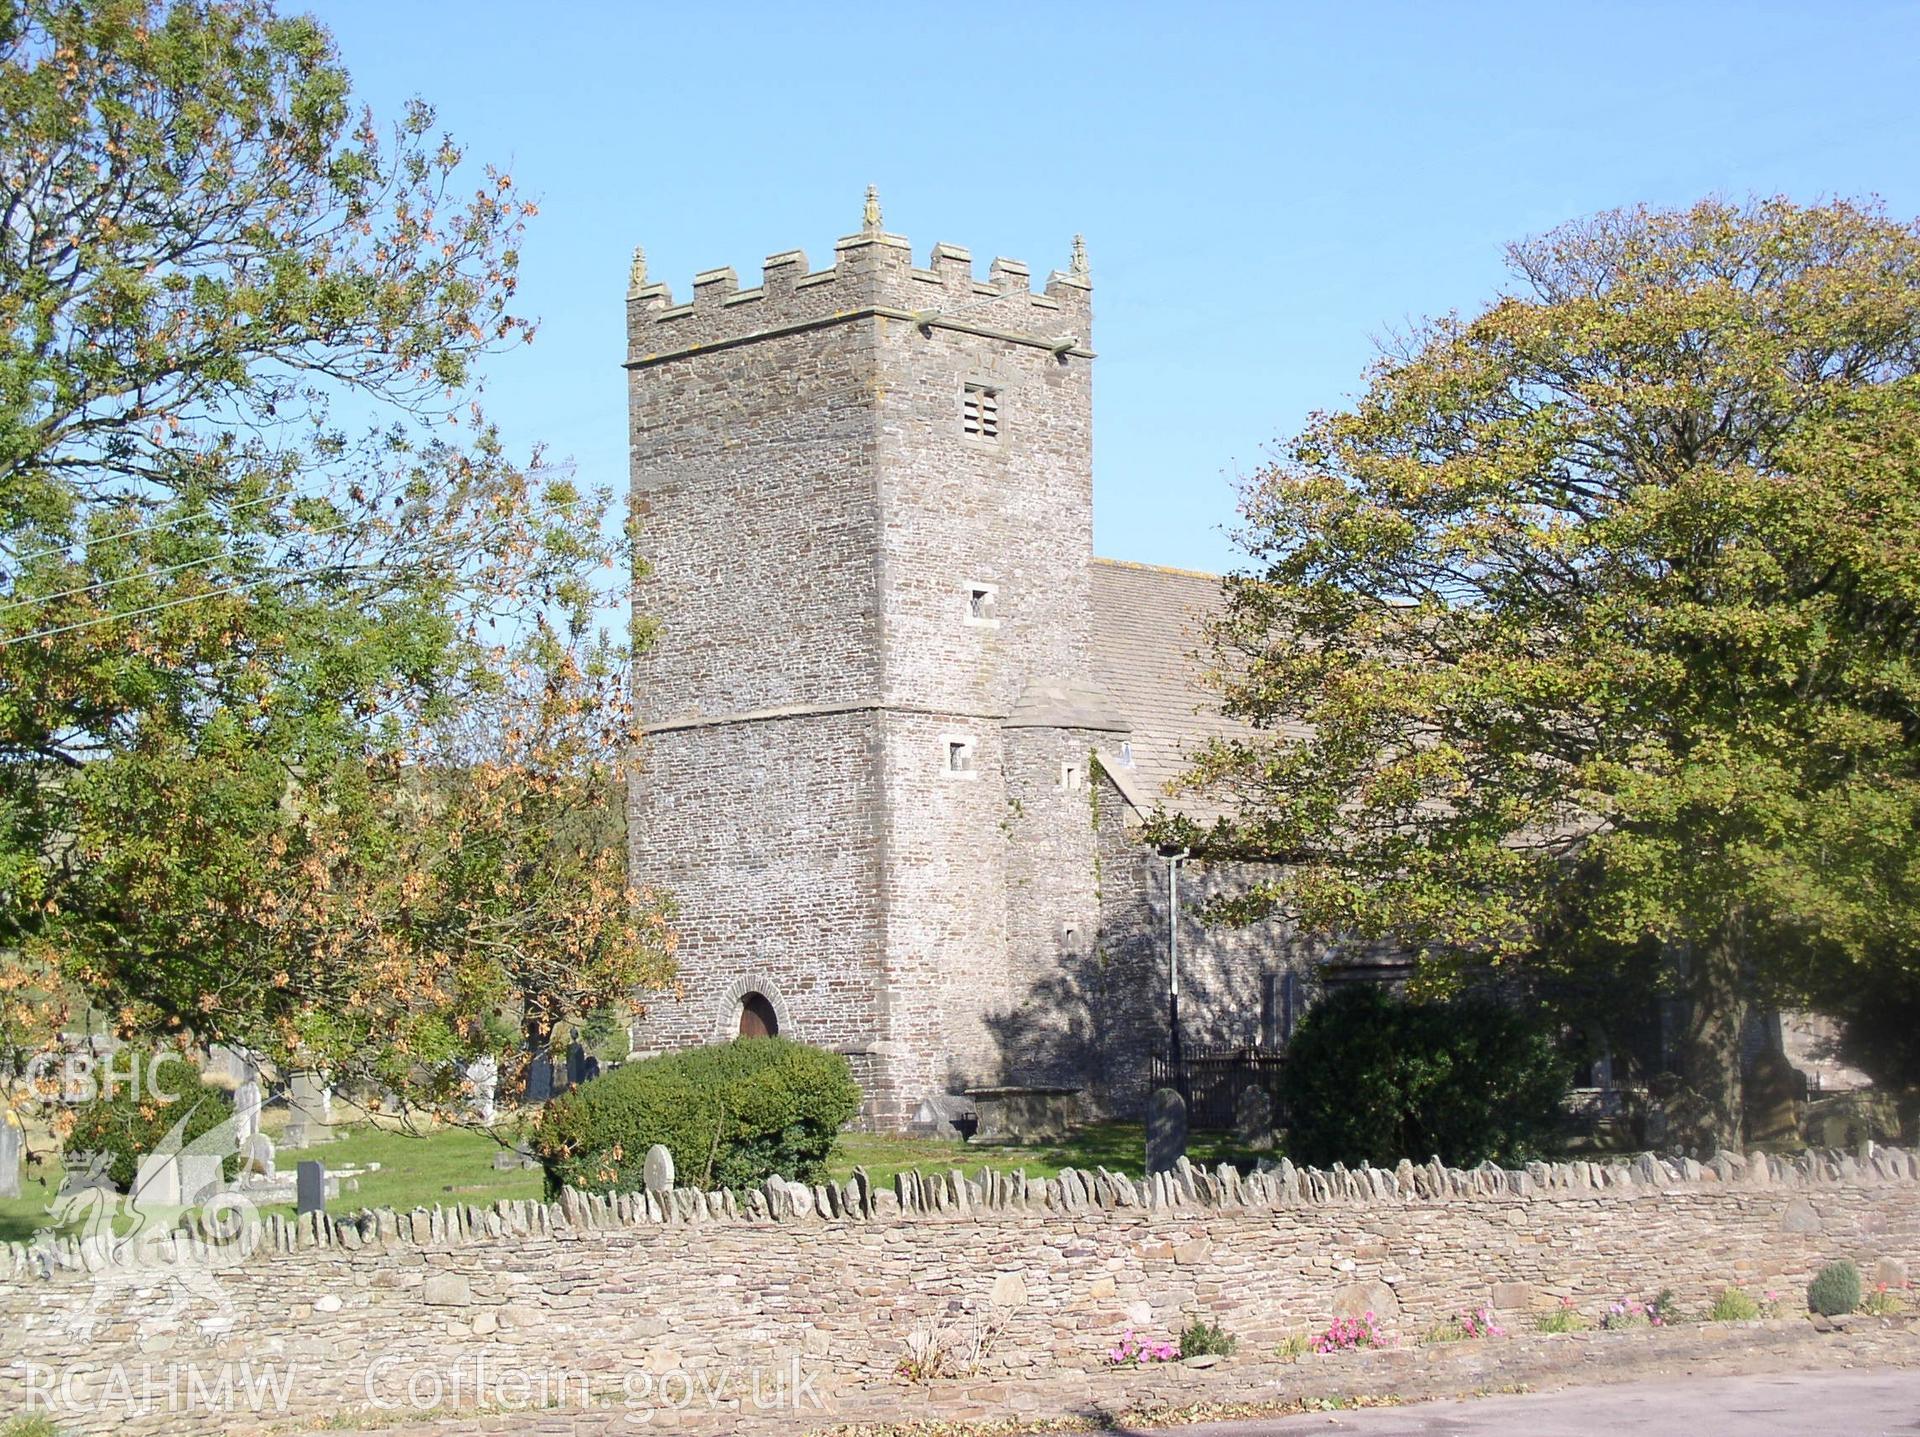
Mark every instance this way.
x=310 y=1193
x=658 y=1171
x=1166 y=1129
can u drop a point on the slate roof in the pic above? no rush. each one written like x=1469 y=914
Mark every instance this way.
x=1146 y=647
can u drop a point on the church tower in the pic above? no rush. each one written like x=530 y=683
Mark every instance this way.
x=865 y=509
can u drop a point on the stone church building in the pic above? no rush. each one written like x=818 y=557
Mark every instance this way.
x=901 y=726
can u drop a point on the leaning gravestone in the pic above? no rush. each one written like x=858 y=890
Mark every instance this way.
x=1253 y=1117
x=85 y=1172
x=310 y=1191
x=12 y=1153
x=1166 y=1129
x=658 y=1173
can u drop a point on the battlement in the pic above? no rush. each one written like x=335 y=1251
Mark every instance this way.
x=872 y=274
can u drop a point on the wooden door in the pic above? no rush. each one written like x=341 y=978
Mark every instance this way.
x=757 y=1019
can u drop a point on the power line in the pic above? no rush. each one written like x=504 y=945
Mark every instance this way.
x=150 y=573
x=564 y=468
x=138 y=613
x=214 y=593
x=51 y=550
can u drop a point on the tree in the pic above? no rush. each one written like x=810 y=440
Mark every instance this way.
x=308 y=724
x=1617 y=582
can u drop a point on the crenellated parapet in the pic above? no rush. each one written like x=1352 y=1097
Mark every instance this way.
x=872 y=274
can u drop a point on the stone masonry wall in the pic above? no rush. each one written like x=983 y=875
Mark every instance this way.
x=754 y=491
x=1014 y=513
x=1226 y=973
x=614 y=1295
x=943 y=904
x=753 y=487
x=815 y=516
x=1049 y=1027
x=787 y=908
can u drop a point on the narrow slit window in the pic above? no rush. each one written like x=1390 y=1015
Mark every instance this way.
x=983 y=604
x=980 y=412
x=1072 y=777
x=960 y=757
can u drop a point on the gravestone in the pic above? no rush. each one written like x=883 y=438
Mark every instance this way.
x=1166 y=1129
x=483 y=1075
x=658 y=1173
x=311 y=1104
x=1774 y=1091
x=246 y=1112
x=13 y=1145
x=310 y=1187
x=156 y=1181
x=539 y=1076
x=256 y=1156
x=226 y=1064
x=84 y=1172
x=1253 y=1117
x=200 y=1177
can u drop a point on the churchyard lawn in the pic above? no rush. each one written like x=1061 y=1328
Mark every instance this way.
x=450 y=1165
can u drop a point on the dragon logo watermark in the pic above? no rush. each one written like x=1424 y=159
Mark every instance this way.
x=159 y=1254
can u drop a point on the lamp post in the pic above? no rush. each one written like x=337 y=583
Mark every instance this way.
x=1174 y=859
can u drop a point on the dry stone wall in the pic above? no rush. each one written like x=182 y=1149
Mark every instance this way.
x=609 y=1300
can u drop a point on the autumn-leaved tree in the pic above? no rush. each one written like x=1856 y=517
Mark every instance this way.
x=309 y=735
x=1609 y=596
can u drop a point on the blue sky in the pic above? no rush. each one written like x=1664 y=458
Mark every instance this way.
x=1265 y=189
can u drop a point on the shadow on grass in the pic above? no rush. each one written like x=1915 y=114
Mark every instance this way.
x=1118 y=1147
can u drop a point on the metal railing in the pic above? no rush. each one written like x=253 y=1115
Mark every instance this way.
x=1211 y=1079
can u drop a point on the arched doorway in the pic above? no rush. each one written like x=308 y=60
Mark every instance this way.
x=757 y=1018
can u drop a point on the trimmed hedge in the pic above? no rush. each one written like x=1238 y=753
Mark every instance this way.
x=732 y=1115
x=129 y=1121
x=1373 y=1078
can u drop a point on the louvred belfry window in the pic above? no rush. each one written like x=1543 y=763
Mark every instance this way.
x=980 y=412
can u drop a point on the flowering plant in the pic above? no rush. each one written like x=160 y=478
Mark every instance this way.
x=1480 y=1323
x=1564 y=1318
x=1886 y=1300
x=1348 y=1333
x=1631 y=1312
x=1132 y=1350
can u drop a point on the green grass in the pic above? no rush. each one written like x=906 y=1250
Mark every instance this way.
x=1119 y=1147
x=455 y=1165
x=20 y=1217
x=445 y=1166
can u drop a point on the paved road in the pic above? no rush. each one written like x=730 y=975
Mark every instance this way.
x=1879 y=1403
